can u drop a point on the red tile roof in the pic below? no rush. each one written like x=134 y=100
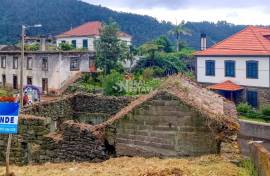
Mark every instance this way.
x=227 y=86
x=251 y=41
x=88 y=29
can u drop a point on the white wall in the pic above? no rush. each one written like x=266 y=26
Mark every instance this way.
x=91 y=47
x=58 y=68
x=79 y=41
x=240 y=71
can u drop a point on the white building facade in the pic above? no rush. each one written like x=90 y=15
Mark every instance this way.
x=47 y=70
x=84 y=36
x=238 y=67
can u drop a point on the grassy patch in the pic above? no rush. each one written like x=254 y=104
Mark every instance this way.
x=254 y=119
x=248 y=168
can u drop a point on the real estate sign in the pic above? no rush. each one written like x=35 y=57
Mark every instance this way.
x=9 y=118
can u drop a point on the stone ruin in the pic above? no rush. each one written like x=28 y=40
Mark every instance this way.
x=178 y=119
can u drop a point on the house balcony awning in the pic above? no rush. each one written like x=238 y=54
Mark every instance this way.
x=226 y=86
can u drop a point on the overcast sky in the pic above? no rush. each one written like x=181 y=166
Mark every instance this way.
x=234 y=11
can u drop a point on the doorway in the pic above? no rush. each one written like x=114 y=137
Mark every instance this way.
x=15 y=82
x=4 y=79
x=45 y=85
x=29 y=80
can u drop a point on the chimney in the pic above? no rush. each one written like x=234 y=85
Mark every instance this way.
x=203 y=41
x=43 y=43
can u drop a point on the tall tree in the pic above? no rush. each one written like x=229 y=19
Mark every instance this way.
x=165 y=43
x=109 y=48
x=178 y=31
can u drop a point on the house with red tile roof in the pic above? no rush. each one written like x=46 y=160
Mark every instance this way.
x=84 y=35
x=239 y=66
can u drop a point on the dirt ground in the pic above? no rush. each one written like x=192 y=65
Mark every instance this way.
x=202 y=166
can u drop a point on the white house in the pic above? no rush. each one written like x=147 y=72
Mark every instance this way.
x=239 y=66
x=84 y=36
x=50 y=71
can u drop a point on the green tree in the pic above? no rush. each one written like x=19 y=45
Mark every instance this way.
x=150 y=49
x=165 y=43
x=178 y=31
x=109 y=49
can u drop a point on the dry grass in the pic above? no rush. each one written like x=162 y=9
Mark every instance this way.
x=202 y=166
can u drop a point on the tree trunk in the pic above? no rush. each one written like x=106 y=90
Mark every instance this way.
x=177 y=42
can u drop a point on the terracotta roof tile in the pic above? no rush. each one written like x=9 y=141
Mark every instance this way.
x=227 y=86
x=88 y=29
x=250 y=41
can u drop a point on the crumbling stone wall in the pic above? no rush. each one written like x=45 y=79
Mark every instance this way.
x=26 y=145
x=164 y=126
x=75 y=142
x=87 y=108
x=35 y=144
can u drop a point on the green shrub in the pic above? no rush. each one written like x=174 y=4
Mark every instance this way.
x=249 y=168
x=148 y=73
x=65 y=46
x=266 y=110
x=32 y=47
x=110 y=84
x=244 y=108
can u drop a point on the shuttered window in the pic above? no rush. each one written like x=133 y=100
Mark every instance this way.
x=210 y=68
x=230 y=68
x=252 y=69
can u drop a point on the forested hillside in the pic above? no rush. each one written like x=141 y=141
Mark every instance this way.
x=57 y=16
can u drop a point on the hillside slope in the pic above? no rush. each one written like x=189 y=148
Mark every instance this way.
x=57 y=16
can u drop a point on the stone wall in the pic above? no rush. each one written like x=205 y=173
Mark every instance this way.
x=35 y=144
x=75 y=142
x=26 y=145
x=164 y=126
x=87 y=108
x=261 y=158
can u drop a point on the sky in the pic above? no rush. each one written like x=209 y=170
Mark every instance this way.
x=252 y=12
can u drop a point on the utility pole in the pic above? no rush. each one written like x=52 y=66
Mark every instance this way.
x=21 y=69
x=24 y=27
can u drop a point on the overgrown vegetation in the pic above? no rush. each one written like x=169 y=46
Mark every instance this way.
x=249 y=168
x=249 y=113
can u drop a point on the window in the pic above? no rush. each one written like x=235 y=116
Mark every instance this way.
x=29 y=63
x=73 y=43
x=15 y=62
x=45 y=64
x=85 y=43
x=29 y=80
x=252 y=98
x=3 y=61
x=63 y=41
x=230 y=68
x=210 y=68
x=74 y=64
x=252 y=69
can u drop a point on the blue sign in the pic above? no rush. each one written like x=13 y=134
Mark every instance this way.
x=9 y=113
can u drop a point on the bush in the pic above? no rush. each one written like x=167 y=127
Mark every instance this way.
x=111 y=84
x=65 y=46
x=32 y=47
x=244 y=108
x=266 y=110
x=148 y=73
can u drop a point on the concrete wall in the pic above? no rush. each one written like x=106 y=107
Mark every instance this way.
x=164 y=126
x=240 y=71
x=261 y=157
x=253 y=131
